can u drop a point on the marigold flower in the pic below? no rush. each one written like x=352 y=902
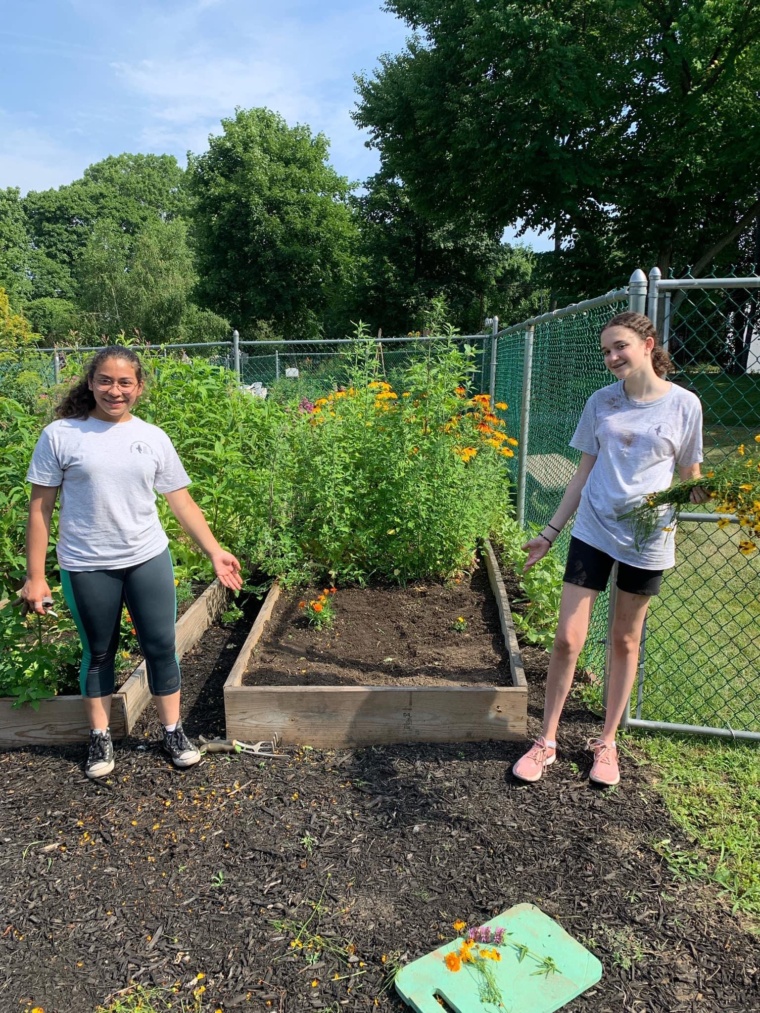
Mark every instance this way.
x=483 y=427
x=501 y=405
x=453 y=962
x=512 y=441
x=506 y=452
x=484 y=399
x=746 y=488
x=746 y=547
x=459 y=925
x=757 y=438
x=317 y=606
x=740 y=449
x=333 y=590
x=723 y=522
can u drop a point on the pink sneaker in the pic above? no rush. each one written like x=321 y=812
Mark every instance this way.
x=531 y=766
x=605 y=767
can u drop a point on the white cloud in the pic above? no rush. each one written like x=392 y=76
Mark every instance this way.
x=27 y=154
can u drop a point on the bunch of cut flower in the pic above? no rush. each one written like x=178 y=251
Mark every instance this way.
x=479 y=949
x=319 y=611
x=734 y=488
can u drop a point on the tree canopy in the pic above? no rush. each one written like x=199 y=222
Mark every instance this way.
x=273 y=231
x=628 y=128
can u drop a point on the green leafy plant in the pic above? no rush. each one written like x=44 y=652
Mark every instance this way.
x=459 y=625
x=320 y=611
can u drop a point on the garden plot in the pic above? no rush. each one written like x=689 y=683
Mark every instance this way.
x=423 y=663
x=61 y=719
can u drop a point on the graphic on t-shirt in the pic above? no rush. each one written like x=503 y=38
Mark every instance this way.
x=141 y=448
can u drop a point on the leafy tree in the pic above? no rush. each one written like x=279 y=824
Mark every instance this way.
x=54 y=319
x=14 y=244
x=414 y=272
x=15 y=330
x=123 y=192
x=139 y=284
x=273 y=231
x=628 y=128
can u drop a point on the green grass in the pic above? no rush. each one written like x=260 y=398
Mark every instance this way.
x=702 y=659
x=712 y=790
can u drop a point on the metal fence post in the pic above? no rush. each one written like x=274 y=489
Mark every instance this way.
x=522 y=453
x=494 y=321
x=655 y=276
x=276 y=364
x=56 y=367
x=637 y=292
x=236 y=354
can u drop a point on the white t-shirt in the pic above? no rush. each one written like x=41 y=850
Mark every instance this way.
x=637 y=445
x=107 y=472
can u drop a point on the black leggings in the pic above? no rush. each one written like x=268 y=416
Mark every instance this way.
x=95 y=598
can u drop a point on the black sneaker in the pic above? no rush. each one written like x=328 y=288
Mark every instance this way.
x=180 y=748
x=100 y=754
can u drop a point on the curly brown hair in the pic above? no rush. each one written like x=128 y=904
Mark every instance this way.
x=79 y=402
x=643 y=327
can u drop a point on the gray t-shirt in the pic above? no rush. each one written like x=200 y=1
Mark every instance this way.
x=637 y=445
x=107 y=472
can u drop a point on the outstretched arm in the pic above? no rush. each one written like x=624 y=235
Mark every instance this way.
x=538 y=547
x=190 y=516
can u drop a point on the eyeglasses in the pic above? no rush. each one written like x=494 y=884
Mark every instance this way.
x=125 y=385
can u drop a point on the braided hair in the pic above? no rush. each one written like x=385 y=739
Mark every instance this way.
x=643 y=327
x=79 y=401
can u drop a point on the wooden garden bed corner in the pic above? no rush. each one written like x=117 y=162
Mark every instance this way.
x=332 y=717
x=61 y=719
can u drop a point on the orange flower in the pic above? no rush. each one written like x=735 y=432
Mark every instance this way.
x=460 y=391
x=453 y=962
x=483 y=427
x=482 y=399
x=317 y=606
x=302 y=604
x=501 y=405
x=459 y=925
x=333 y=590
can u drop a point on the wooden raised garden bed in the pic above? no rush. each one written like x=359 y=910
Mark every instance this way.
x=61 y=719
x=445 y=709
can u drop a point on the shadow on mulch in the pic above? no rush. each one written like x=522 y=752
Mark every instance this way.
x=362 y=858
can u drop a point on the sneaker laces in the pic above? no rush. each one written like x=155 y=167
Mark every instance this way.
x=539 y=750
x=178 y=741
x=98 y=747
x=603 y=751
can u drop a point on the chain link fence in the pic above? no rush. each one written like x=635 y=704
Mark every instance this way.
x=699 y=665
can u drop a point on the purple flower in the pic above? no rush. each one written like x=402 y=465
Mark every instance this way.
x=498 y=937
x=305 y=406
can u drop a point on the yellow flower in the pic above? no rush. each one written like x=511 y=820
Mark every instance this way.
x=746 y=547
x=757 y=438
x=459 y=925
x=740 y=449
x=746 y=488
x=512 y=441
x=501 y=405
x=506 y=452
x=723 y=522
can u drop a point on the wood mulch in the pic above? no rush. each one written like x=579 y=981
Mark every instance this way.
x=298 y=884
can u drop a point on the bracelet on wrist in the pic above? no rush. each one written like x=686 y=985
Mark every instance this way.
x=558 y=530
x=542 y=535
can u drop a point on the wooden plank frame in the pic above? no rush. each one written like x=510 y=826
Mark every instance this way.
x=61 y=719
x=330 y=717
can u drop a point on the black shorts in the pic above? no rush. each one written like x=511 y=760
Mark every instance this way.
x=590 y=567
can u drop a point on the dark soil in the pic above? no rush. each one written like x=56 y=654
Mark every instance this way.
x=387 y=636
x=362 y=859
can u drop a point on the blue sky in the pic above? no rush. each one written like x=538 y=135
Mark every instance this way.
x=83 y=79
